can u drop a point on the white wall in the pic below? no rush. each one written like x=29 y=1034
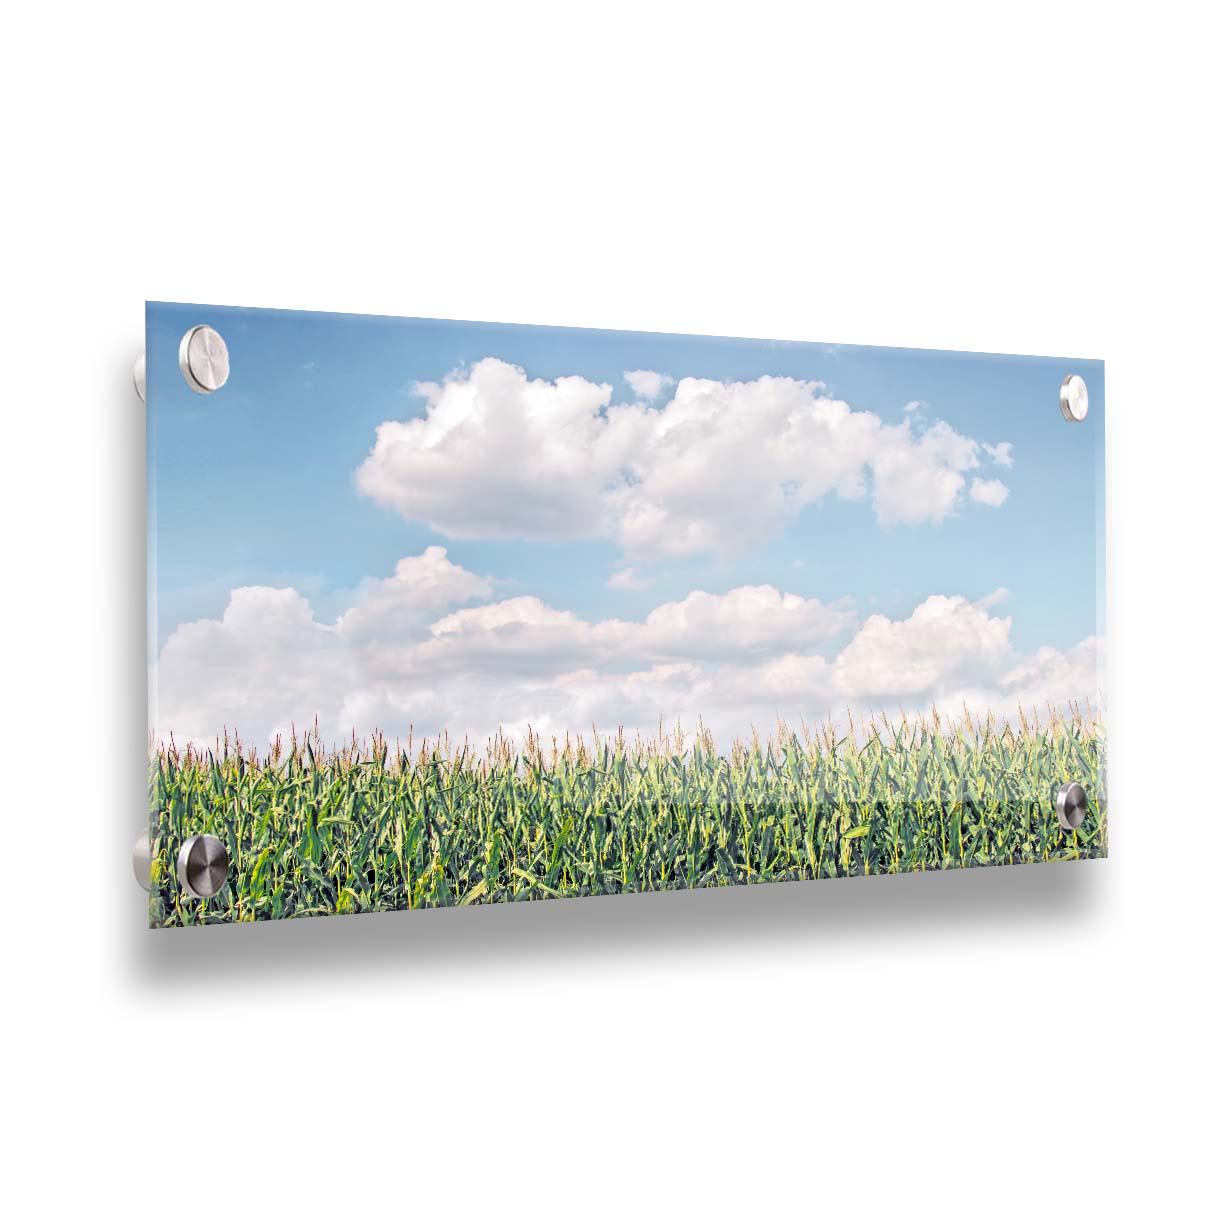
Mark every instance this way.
x=1002 y=1044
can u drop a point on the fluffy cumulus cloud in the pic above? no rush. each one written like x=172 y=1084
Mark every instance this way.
x=420 y=588
x=431 y=649
x=647 y=384
x=265 y=664
x=747 y=622
x=716 y=469
x=945 y=645
x=988 y=492
x=1001 y=454
x=1055 y=671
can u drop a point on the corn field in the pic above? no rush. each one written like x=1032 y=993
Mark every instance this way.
x=371 y=826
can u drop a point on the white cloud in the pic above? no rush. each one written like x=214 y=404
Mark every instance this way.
x=522 y=635
x=988 y=492
x=746 y=622
x=420 y=588
x=525 y=635
x=919 y=479
x=266 y=664
x=734 y=660
x=914 y=406
x=945 y=645
x=717 y=469
x=1001 y=454
x=1054 y=676
x=648 y=385
x=629 y=579
x=499 y=456
x=997 y=596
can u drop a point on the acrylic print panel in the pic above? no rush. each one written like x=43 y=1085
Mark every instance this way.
x=461 y=613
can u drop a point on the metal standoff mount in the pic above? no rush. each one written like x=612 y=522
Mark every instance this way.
x=1071 y=806
x=204 y=360
x=1073 y=398
x=203 y=864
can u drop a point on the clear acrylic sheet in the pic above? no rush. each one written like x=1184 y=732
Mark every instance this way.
x=460 y=613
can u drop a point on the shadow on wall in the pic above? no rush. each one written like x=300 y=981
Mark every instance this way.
x=936 y=906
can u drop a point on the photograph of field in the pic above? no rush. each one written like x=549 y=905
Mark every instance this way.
x=456 y=613
x=374 y=828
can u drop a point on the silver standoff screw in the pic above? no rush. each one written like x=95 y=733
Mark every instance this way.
x=142 y=860
x=1073 y=398
x=204 y=360
x=1071 y=806
x=203 y=864
x=138 y=376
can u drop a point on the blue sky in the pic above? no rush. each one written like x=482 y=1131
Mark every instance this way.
x=255 y=485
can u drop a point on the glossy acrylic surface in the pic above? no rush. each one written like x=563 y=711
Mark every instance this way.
x=455 y=613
